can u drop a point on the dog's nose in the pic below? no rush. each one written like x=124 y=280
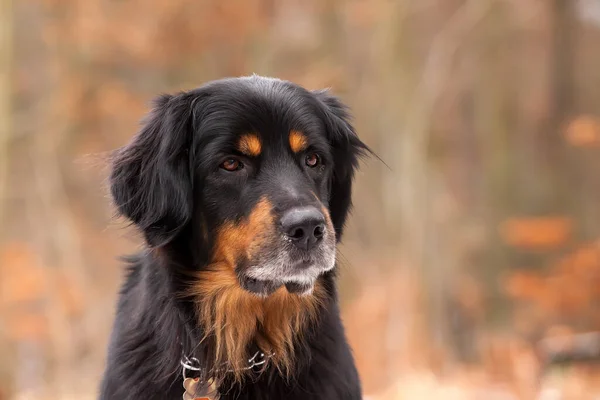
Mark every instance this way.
x=304 y=226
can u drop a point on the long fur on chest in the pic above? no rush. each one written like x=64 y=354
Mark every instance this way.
x=234 y=319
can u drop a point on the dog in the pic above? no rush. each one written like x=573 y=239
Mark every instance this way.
x=241 y=189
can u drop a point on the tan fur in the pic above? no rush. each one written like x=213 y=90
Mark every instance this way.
x=250 y=145
x=236 y=317
x=328 y=220
x=298 y=141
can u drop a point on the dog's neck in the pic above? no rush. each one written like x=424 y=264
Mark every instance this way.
x=235 y=319
x=223 y=323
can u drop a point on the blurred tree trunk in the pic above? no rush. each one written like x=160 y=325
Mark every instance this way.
x=562 y=60
x=419 y=187
x=561 y=102
x=5 y=93
x=5 y=126
x=63 y=249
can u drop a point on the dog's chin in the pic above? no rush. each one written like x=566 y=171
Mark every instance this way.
x=298 y=273
x=258 y=287
x=299 y=279
x=302 y=289
x=264 y=288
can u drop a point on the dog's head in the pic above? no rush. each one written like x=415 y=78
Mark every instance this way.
x=257 y=170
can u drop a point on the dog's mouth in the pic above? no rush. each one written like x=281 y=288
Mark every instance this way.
x=298 y=277
x=267 y=287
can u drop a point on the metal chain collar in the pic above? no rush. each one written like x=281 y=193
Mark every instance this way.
x=205 y=385
x=193 y=364
x=207 y=388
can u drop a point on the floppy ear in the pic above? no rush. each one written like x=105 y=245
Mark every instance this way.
x=347 y=148
x=150 y=178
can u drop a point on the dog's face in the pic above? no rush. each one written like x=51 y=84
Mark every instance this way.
x=264 y=194
x=257 y=171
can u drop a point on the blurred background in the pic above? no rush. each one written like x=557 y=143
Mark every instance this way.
x=471 y=265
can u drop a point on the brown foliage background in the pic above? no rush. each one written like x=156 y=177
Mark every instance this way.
x=469 y=263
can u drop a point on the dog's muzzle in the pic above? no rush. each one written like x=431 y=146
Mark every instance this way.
x=304 y=250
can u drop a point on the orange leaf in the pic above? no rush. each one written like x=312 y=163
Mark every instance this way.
x=524 y=285
x=22 y=279
x=536 y=233
x=27 y=327
x=584 y=131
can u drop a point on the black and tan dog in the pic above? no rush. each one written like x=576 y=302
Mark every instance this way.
x=241 y=189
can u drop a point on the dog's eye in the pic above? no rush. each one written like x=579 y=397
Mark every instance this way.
x=312 y=160
x=232 y=164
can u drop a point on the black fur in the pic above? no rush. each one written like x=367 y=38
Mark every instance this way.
x=168 y=184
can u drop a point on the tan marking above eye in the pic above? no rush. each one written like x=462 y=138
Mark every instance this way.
x=298 y=141
x=250 y=145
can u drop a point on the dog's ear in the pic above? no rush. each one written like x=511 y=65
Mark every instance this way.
x=150 y=179
x=347 y=148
